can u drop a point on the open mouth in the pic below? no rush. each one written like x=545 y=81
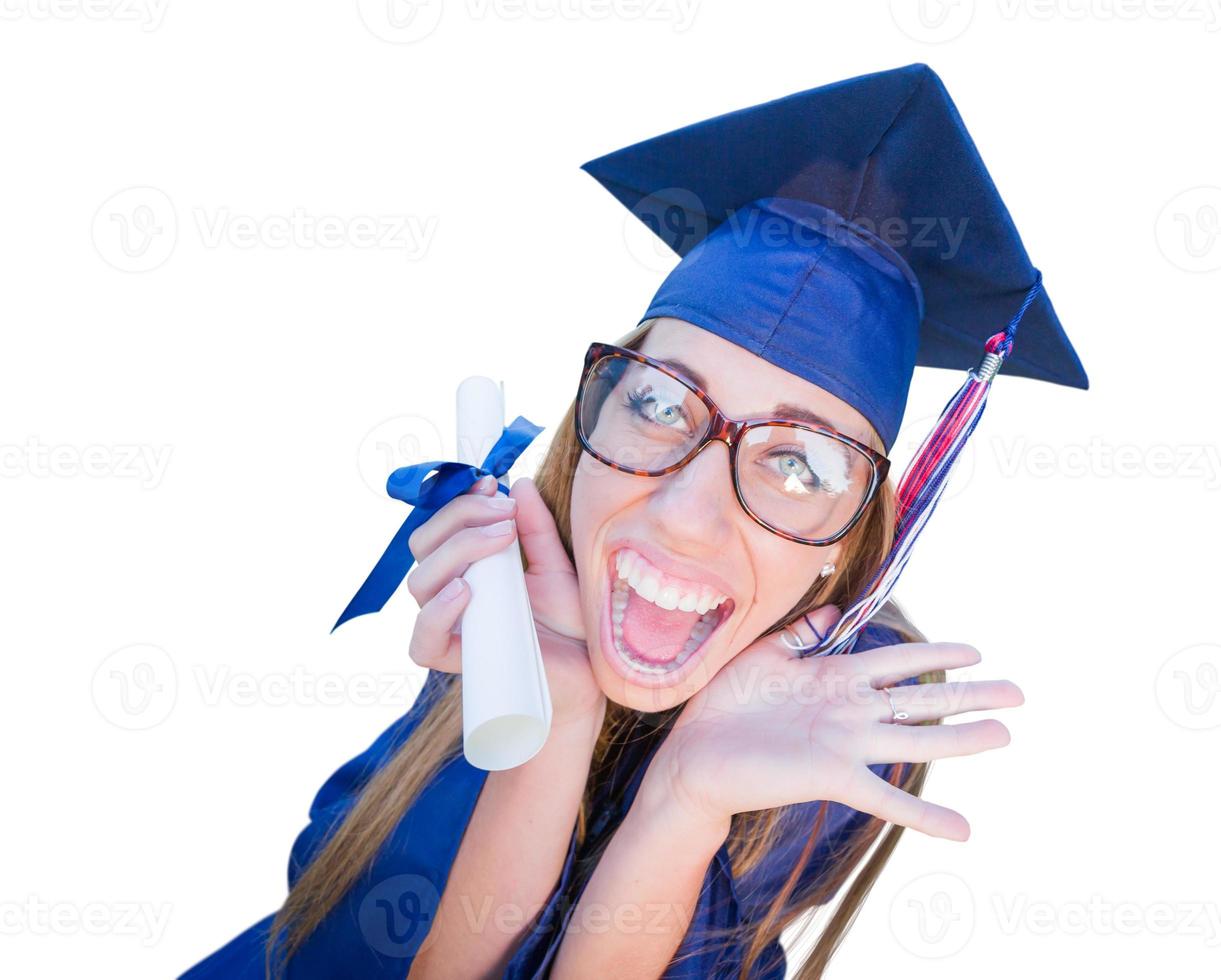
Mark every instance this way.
x=657 y=624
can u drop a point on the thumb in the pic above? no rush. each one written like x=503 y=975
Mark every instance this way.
x=537 y=531
x=816 y=624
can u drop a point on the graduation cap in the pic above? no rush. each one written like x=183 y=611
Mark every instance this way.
x=847 y=234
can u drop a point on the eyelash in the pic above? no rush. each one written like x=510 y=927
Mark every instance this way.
x=633 y=401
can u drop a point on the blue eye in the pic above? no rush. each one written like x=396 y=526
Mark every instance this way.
x=801 y=465
x=650 y=410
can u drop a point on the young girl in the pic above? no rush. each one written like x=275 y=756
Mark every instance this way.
x=702 y=786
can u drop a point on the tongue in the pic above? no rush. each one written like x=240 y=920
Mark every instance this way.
x=655 y=634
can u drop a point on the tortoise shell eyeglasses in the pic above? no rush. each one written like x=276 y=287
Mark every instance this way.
x=806 y=482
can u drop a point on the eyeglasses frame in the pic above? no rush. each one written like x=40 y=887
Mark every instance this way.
x=722 y=428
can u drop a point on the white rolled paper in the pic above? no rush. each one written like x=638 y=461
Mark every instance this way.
x=506 y=704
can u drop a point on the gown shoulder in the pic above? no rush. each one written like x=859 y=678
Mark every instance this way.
x=377 y=929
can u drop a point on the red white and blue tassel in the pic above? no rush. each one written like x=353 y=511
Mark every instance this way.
x=923 y=483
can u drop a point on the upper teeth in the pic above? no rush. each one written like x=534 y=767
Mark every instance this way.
x=664 y=590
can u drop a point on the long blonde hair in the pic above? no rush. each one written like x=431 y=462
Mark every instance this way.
x=438 y=738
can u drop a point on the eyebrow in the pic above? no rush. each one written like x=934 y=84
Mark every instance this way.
x=781 y=410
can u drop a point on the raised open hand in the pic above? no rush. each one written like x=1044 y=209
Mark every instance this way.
x=772 y=729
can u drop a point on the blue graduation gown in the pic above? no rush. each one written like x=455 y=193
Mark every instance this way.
x=376 y=929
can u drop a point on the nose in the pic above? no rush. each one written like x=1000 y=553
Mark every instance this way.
x=696 y=503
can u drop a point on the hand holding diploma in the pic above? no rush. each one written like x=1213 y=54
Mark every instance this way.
x=504 y=693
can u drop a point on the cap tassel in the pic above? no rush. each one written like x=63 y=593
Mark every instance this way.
x=924 y=481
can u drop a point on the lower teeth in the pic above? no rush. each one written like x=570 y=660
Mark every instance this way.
x=703 y=626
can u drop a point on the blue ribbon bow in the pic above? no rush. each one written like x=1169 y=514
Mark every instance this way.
x=427 y=496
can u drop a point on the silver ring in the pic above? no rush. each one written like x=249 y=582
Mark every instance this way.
x=798 y=646
x=896 y=714
x=802 y=647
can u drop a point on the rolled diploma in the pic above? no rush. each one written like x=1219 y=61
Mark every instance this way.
x=506 y=704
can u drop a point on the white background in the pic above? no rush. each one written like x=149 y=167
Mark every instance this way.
x=196 y=422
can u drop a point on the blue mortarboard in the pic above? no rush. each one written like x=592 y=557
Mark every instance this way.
x=846 y=233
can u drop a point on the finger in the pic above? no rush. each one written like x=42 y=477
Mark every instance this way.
x=924 y=743
x=810 y=629
x=475 y=507
x=870 y=793
x=891 y=664
x=454 y=556
x=922 y=702
x=433 y=642
x=536 y=528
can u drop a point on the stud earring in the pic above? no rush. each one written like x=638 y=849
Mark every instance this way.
x=827 y=569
